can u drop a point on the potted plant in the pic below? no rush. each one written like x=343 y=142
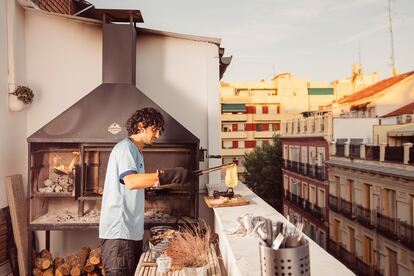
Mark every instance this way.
x=21 y=96
x=189 y=250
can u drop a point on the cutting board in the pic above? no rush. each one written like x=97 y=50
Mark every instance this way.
x=237 y=200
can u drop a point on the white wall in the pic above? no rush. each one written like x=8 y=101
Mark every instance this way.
x=399 y=95
x=64 y=64
x=357 y=128
x=13 y=147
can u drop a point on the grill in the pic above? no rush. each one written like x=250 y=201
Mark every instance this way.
x=69 y=155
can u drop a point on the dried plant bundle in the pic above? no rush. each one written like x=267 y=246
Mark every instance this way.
x=190 y=246
x=24 y=94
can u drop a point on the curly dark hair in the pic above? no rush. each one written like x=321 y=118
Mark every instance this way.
x=148 y=117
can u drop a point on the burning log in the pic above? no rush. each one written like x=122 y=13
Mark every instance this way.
x=79 y=262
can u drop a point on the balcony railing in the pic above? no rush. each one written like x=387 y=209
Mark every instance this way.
x=406 y=234
x=320 y=173
x=340 y=150
x=302 y=168
x=310 y=170
x=289 y=164
x=318 y=212
x=366 y=216
x=334 y=203
x=395 y=154
x=354 y=151
x=295 y=166
x=387 y=226
x=347 y=208
x=351 y=261
x=372 y=152
x=364 y=269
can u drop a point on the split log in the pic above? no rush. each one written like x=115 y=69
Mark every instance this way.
x=48 y=272
x=89 y=267
x=36 y=272
x=95 y=256
x=100 y=265
x=58 y=262
x=42 y=263
x=45 y=254
x=65 y=268
x=79 y=263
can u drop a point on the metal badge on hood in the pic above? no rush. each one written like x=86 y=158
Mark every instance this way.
x=114 y=128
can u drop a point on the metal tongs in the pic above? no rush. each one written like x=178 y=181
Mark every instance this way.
x=212 y=169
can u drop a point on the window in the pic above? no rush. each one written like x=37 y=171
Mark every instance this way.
x=259 y=110
x=226 y=128
x=304 y=190
x=336 y=231
x=366 y=196
x=259 y=143
x=312 y=194
x=368 y=250
x=272 y=109
x=392 y=262
x=274 y=127
x=240 y=127
x=321 y=197
x=259 y=127
x=227 y=144
x=351 y=240
x=322 y=238
x=235 y=144
x=241 y=144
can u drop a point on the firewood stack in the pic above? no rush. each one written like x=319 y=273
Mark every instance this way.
x=85 y=262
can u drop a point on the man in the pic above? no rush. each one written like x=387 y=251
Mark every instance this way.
x=121 y=226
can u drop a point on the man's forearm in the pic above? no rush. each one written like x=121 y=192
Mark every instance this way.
x=140 y=180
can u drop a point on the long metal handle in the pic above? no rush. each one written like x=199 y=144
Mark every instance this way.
x=212 y=169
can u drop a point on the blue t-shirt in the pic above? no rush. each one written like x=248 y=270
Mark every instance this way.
x=122 y=212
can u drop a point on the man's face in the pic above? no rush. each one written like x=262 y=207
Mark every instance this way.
x=151 y=134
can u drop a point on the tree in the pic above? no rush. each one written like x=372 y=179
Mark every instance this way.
x=264 y=172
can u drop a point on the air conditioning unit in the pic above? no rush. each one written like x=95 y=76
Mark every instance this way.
x=405 y=119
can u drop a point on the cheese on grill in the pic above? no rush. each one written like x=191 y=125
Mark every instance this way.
x=231 y=176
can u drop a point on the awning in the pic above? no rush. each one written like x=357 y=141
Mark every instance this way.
x=402 y=131
x=321 y=91
x=234 y=108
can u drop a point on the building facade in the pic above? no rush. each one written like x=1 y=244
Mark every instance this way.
x=305 y=142
x=252 y=112
x=371 y=177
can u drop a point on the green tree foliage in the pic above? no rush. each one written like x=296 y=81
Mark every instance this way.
x=264 y=172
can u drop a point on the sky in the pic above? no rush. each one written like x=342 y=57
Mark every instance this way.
x=314 y=39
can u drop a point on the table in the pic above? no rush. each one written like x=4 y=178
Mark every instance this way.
x=148 y=267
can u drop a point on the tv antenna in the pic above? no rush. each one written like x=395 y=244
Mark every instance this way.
x=394 y=70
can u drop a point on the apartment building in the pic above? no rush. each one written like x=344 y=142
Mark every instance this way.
x=305 y=142
x=371 y=179
x=252 y=112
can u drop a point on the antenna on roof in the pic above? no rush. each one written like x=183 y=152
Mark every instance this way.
x=394 y=70
x=359 y=53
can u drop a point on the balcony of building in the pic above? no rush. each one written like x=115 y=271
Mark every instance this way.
x=366 y=216
x=334 y=203
x=238 y=117
x=234 y=135
x=387 y=226
x=347 y=208
x=234 y=151
x=241 y=254
x=264 y=134
x=352 y=261
x=313 y=209
x=406 y=234
x=312 y=126
x=305 y=169
x=403 y=154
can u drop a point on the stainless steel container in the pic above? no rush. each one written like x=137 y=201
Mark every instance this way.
x=285 y=261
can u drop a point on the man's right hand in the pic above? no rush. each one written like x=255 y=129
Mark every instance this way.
x=177 y=175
